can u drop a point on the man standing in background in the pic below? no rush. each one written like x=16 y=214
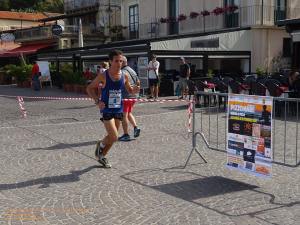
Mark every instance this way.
x=153 y=68
x=35 y=74
x=185 y=72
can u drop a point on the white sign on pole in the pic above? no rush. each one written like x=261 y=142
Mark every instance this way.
x=143 y=71
x=44 y=68
x=45 y=71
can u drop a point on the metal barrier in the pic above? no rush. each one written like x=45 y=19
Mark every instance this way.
x=210 y=122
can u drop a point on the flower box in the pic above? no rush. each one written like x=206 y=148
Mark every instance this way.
x=218 y=11
x=181 y=17
x=205 y=13
x=194 y=15
x=163 y=20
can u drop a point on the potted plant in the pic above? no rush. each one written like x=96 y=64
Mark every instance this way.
x=260 y=71
x=9 y=73
x=210 y=73
x=67 y=73
x=21 y=76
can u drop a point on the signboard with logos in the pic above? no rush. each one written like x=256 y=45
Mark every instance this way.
x=143 y=71
x=57 y=29
x=249 y=134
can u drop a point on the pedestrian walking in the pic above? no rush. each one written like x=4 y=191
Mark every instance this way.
x=114 y=82
x=35 y=77
x=128 y=104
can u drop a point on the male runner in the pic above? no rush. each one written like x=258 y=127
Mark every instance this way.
x=114 y=82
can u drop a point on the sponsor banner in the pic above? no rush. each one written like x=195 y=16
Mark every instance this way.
x=249 y=134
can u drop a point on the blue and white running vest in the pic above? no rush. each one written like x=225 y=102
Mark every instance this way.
x=111 y=94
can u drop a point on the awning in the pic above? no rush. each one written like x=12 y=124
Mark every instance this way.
x=25 y=50
x=230 y=41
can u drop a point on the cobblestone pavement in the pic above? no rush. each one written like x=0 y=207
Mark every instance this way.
x=49 y=174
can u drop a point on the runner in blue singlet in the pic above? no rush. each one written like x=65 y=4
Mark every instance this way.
x=113 y=83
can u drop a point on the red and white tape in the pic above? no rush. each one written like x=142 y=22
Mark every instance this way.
x=24 y=113
x=190 y=111
x=90 y=99
x=21 y=105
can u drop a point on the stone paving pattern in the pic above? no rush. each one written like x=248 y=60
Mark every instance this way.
x=49 y=174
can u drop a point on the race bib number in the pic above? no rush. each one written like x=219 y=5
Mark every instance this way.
x=114 y=100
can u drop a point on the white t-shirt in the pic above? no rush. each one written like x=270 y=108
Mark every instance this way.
x=151 y=74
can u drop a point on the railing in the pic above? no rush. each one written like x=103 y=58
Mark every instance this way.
x=79 y=4
x=40 y=33
x=211 y=123
x=256 y=15
x=70 y=5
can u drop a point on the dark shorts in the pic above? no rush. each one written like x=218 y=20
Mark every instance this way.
x=153 y=82
x=109 y=116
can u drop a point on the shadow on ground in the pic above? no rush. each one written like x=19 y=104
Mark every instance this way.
x=45 y=182
x=197 y=191
x=60 y=146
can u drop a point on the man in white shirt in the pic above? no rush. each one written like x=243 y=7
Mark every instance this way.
x=153 y=68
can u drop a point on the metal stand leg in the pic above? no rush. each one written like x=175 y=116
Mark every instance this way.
x=190 y=155
x=194 y=139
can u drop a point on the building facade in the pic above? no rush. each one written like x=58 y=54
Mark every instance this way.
x=223 y=36
x=167 y=18
x=15 y=20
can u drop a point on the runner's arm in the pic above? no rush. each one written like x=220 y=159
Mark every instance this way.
x=92 y=88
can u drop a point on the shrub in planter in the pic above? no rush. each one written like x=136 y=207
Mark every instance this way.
x=67 y=73
x=9 y=71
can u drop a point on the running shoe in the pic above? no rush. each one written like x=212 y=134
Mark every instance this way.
x=136 y=132
x=104 y=162
x=124 y=137
x=98 y=150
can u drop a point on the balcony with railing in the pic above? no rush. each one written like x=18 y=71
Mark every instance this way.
x=73 y=5
x=201 y=22
x=45 y=32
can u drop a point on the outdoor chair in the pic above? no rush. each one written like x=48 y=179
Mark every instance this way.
x=275 y=91
x=235 y=86
x=201 y=86
x=281 y=78
x=222 y=88
x=192 y=88
x=258 y=88
x=227 y=80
